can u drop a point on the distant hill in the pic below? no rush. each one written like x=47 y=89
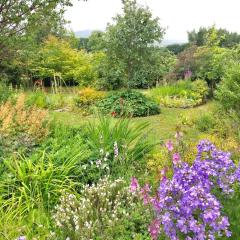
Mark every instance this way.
x=84 y=33
x=166 y=42
x=87 y=32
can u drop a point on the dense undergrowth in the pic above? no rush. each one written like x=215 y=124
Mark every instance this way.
x=73 y=182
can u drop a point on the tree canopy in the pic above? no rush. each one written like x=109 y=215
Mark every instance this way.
x=130 y=40
x=18 y=17
x=224 y=37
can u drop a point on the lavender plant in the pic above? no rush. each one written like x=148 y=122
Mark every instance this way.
x=186 y=206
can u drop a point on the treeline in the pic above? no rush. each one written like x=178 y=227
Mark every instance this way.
x=127 y=55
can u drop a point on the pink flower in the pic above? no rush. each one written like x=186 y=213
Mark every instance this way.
x=176 y=158
x=145 y=194
x=134 y=184
x=169 y=145
x=154 y=229
x=163 y=173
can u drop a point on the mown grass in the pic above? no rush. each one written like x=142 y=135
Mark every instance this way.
x=162 y=126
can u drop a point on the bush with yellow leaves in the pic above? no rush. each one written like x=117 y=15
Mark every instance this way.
x=87 y=98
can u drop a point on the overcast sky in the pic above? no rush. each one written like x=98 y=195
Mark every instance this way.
x=178 y=16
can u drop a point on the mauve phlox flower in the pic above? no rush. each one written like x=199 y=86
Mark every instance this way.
x=145 y=193
x=176 y=158
x=169 y=145
x=134 y=185
x=154 y=229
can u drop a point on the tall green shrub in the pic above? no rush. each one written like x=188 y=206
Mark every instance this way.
x=228 y=92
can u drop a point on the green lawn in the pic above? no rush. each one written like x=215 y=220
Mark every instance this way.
x=162 y=126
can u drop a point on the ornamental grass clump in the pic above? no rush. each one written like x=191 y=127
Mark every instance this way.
x=186 y=205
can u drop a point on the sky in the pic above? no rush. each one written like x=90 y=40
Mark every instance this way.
x=178 y=16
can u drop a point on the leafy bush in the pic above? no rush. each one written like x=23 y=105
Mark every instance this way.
x=88 y=97
x=228 y=92
x=103 y=211
x=37 y=99
x=5 y=93
x=57 y=56
x=205 y=123
x=182 y=94
x=128 y=103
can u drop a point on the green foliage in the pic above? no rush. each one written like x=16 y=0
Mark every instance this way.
x=128 y=103
x=129 y=43
x=185 y=62
x=19 y=17
x=36 y=224
x=209 y=64
x=179 y=89
x=182 y=94
x=222 y=37
x=38 y=99
x=206 y=62
x=96 y=41
x=177 y=48
x=57 y=59
x=36 y=180
x=124 y=143
x=49 y=101
x=28 y=183
x=228 y=92
x=159 y=63
x=231 y=208
x=5 y=93
x=205 y=122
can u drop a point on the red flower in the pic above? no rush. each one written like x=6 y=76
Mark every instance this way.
x=113 y=114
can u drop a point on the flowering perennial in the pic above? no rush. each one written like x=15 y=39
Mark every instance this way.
x=185 y=206
x=99 y=208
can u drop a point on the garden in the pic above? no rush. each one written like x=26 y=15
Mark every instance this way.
x=115 y=136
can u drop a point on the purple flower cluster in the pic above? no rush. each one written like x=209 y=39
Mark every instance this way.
x=187 y=74
x=185 y=205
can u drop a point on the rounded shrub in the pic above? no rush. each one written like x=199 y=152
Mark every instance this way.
x=128 y=103
x=88 y=96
